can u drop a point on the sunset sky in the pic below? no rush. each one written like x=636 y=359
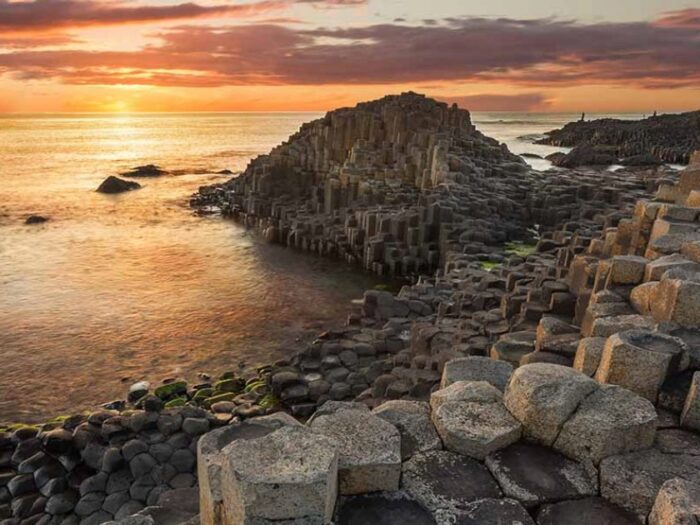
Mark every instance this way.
x=271 y=55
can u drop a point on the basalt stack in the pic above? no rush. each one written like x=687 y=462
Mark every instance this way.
x=668 y=138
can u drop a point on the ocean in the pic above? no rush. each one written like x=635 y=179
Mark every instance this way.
x=118 y=288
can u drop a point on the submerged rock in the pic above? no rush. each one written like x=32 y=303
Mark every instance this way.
x=36 y=219
x=114 y=184
x=149 y=170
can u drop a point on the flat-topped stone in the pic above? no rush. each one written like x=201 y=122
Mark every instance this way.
x=289 y=474
x=610 y=421
x=588 y=354
x=440 y=479
x=543 y=396
x=211 y=459
x=533 y=475
x=465 y=391
x=369 y=450
x=412 y=419
x=476 y=429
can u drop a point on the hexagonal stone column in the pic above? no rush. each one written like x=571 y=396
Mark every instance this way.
x=290 y=474
x=476 y=429
x=412 y=420
x=641 y=360
x=211 y=456
x=369 y=450
x=677 y=299
x=543 y=396
x=611 y=421
x=476 y=368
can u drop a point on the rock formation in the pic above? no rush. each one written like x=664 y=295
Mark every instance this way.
x=394 y=185
x=668 y=138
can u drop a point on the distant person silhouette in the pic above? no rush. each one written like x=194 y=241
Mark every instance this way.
x=583 y=117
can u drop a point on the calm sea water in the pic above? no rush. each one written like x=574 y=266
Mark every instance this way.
x=115 y=289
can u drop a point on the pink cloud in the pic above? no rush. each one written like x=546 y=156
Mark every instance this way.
x=684 y=18
x=532 y=53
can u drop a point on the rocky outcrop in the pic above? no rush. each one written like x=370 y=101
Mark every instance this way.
x=114 y=184
x=668 y=138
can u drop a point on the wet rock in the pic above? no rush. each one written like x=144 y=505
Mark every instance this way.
x=36 y=219
x=114 y=184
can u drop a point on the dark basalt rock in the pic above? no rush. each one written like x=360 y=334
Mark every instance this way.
x=114 y=184
x=384 y=509
x=440 y=479
x=36 y=219
x=586 y=155
x=149 y=170
x=645 y=159
x=585 y=512
x=671 y=138
x=534 y=475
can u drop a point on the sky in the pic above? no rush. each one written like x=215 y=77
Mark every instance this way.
x=315 y=55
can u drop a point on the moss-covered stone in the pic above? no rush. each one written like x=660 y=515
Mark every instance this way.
x=202 y=394
x=177 y=402
x=230 y=385
x=176 y=388
x=226 y=396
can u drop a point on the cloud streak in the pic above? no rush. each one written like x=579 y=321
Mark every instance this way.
x=51 y=14
x=531 y=53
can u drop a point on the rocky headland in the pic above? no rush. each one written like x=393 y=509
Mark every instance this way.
x=542 y=369
x=664 y=138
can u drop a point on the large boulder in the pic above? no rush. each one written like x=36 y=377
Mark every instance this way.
x=369 y=450
x=412 y=419
x=543 y=396
x=610 y=421
x=290 y=474
x=114 y=184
